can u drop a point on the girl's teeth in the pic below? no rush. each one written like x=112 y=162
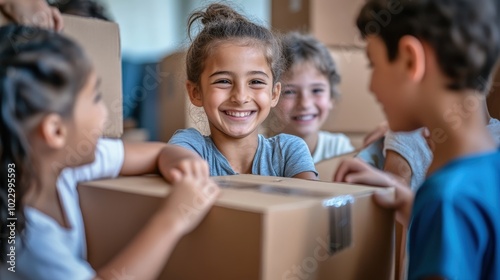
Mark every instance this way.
x=238 y=114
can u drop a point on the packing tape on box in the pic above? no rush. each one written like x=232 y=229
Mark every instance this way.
x=339 y=209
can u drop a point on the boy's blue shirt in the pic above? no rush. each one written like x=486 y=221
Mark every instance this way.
x=455 y=226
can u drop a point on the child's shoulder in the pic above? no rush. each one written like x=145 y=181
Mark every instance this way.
x=187 y=134
x=284 y=142
x=190 y=131
x=494 y=128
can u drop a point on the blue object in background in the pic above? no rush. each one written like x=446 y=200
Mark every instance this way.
x=141 y=84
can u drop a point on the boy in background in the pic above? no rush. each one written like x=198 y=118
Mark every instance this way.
x=309 y=92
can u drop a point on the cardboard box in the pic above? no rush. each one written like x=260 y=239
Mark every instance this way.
x=327 y=168
x=331 y=21
x=334 y=22
x=260 y=228
x=357 y=110
x=290 y=15
x=101 y=41
x=174 y=106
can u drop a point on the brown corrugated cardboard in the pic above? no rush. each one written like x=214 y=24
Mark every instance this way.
x=173 y=100
x=251 y=234
x=333 y=22
x=101 y=41
x=176 y=110
x=290 y=15
x=326 y=168
x=357 y=110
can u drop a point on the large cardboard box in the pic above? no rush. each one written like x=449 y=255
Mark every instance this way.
x=290 y=15
x=261 y=227
x=175 y=108
x=357 y=110
x=101 y=41
x=332 y=21
x=327 y=168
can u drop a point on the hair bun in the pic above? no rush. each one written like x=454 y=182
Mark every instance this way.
x=218 y=13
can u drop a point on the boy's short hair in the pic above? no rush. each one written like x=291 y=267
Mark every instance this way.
x=301 y=48
x=463 y=33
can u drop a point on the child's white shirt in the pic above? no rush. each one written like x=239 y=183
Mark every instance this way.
x=330 y=145
x=50 y=251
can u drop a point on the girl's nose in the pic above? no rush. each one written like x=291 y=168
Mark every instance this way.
x=240 y=95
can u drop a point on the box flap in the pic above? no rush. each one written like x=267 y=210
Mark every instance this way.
x=248 y=199
x=101 y=41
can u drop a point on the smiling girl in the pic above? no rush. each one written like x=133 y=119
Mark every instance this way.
x=233 y=67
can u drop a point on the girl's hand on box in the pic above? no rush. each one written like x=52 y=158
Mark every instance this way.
x=355 y=171
x=32 y=12
x=192 y=195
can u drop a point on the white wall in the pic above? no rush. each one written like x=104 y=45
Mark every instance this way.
x=151 y=29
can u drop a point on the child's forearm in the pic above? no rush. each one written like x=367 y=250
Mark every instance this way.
x=141 y=158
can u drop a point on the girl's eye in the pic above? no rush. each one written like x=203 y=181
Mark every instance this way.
x=288 y=91
x=257 y=82
x=222 y=81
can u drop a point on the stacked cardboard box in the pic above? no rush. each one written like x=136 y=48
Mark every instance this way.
x=101 y=41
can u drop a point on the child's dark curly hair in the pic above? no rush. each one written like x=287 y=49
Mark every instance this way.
x=464 y=34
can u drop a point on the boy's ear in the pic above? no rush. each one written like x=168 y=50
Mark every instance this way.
x=54 y=131
x=412 y=52
x=276 y=94
x=194 y=94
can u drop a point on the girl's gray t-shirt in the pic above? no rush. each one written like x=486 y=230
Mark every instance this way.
x=283 y=155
